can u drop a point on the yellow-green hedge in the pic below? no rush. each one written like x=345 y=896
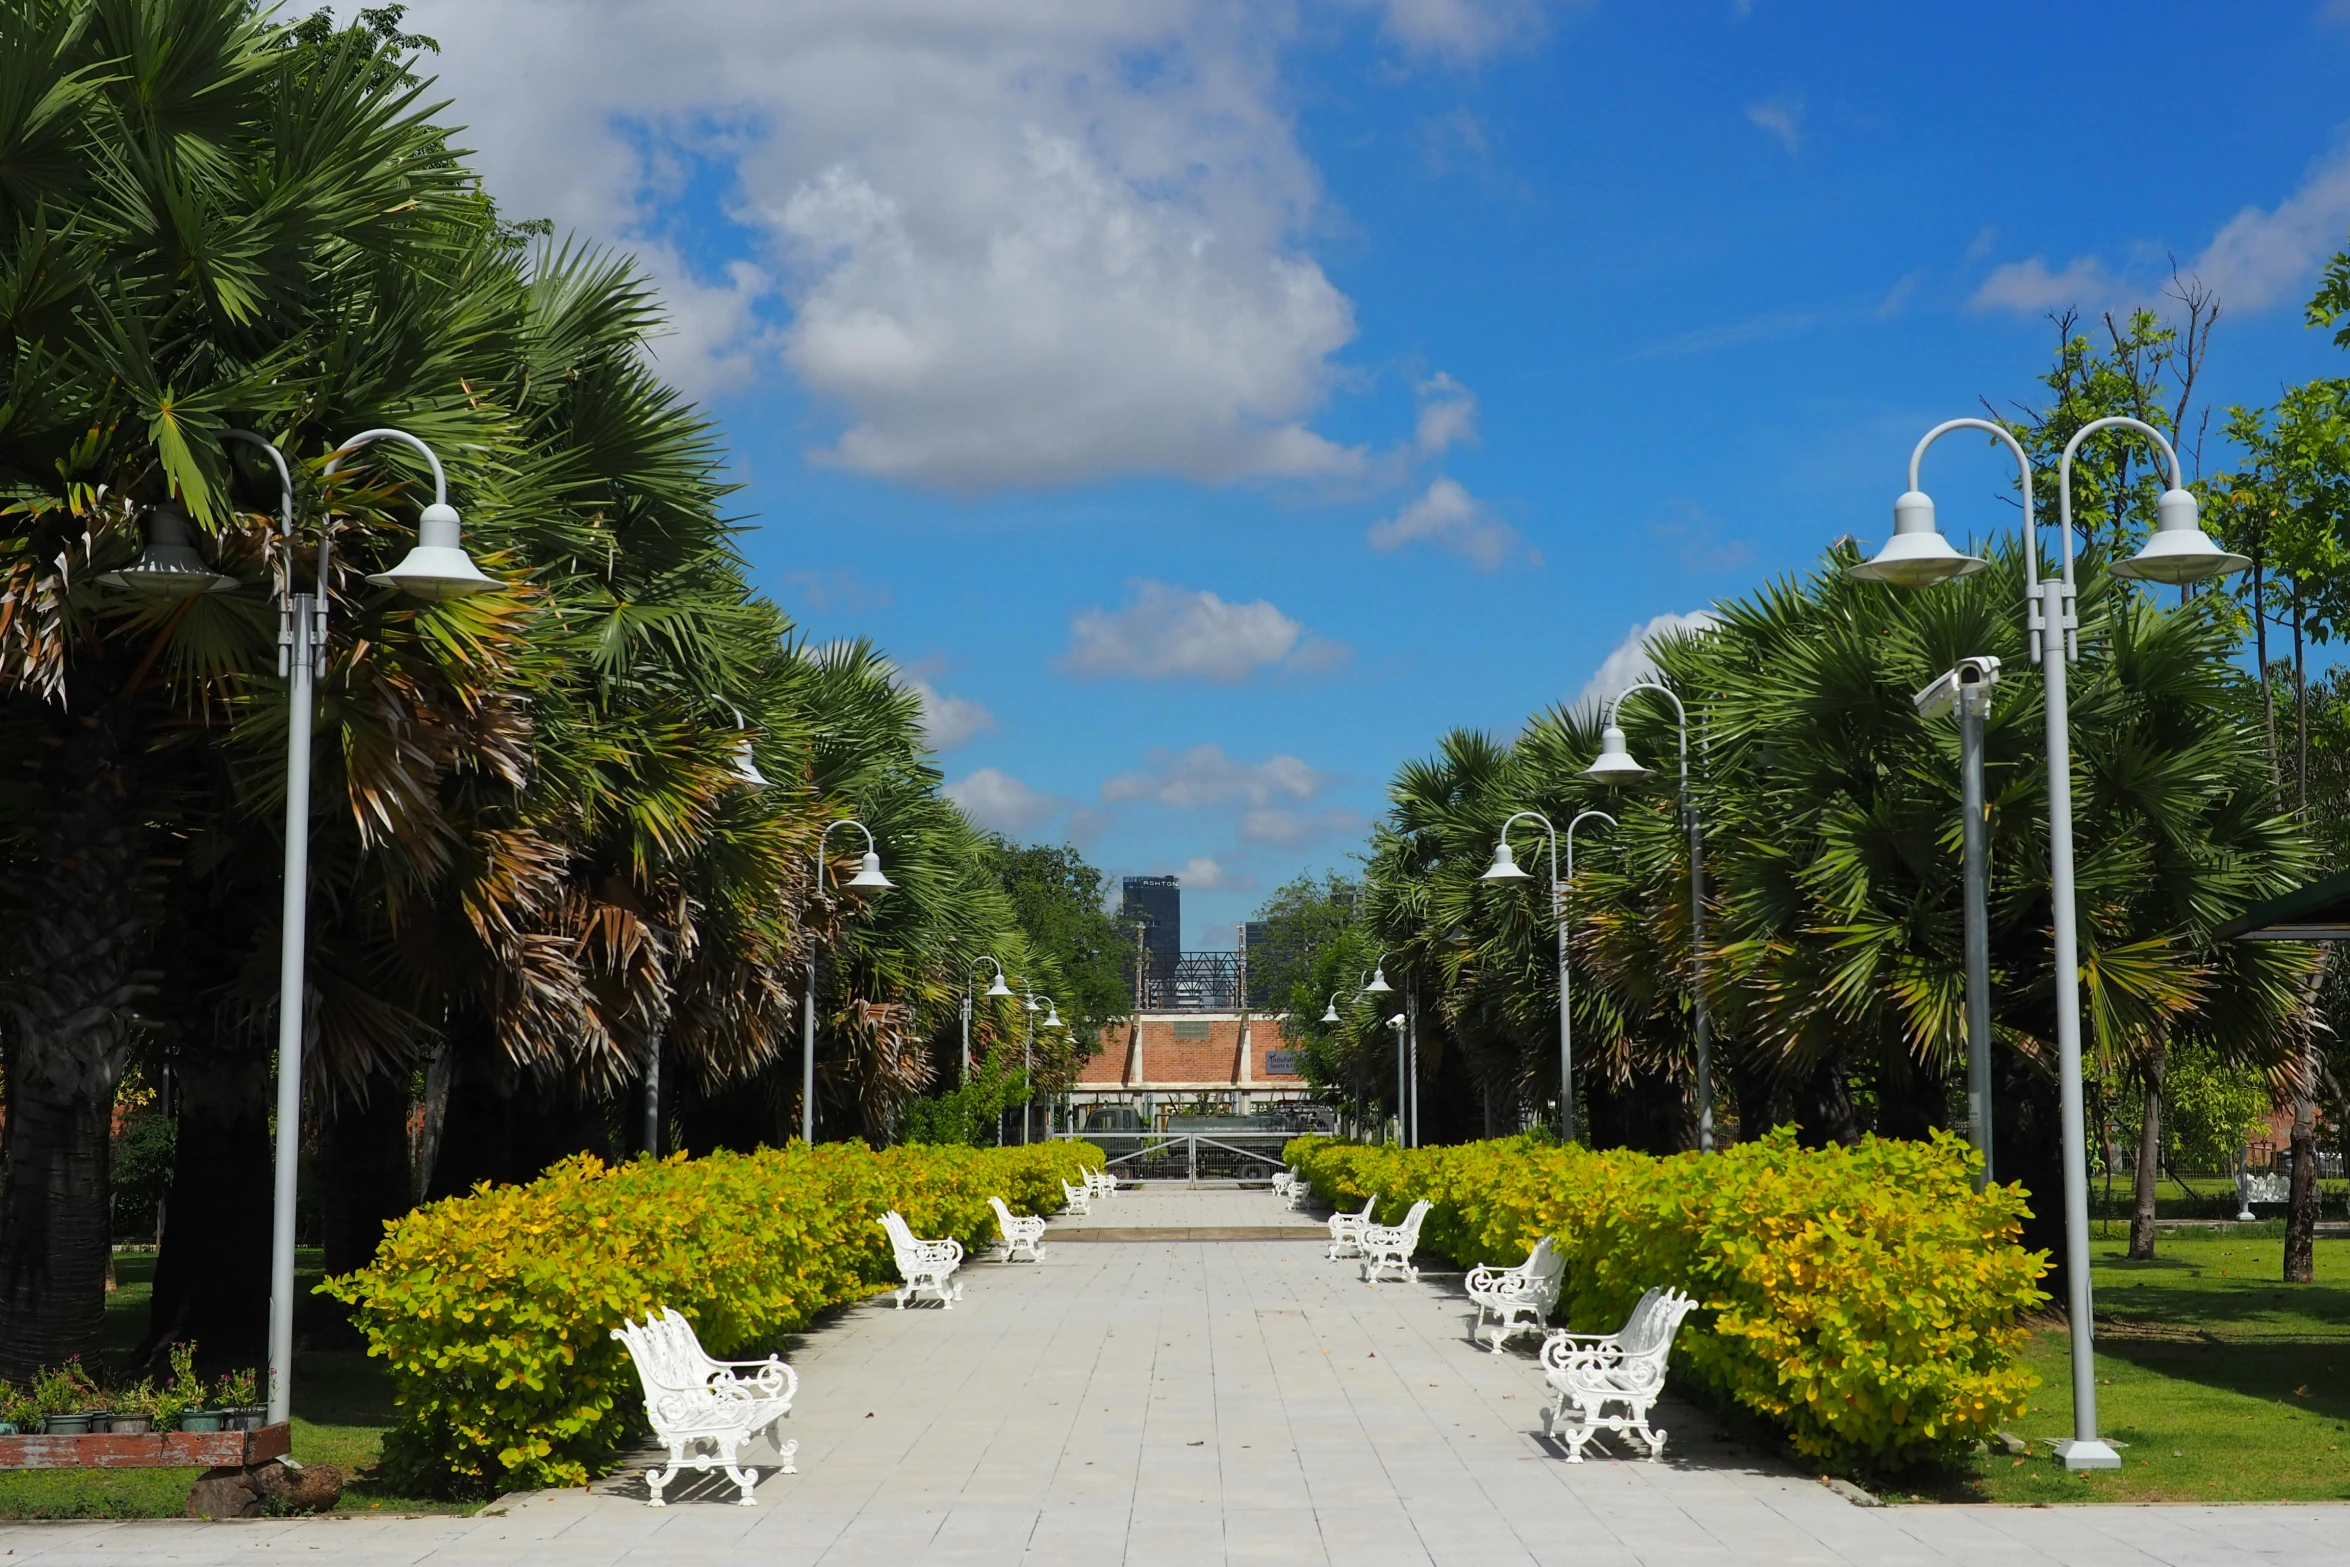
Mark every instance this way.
x=496 y=1309
x=1862 y=1299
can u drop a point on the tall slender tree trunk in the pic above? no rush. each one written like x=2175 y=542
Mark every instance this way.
x=2268 y=699
x=212 y=1273
x=82 y=928
x=2149 y=1171
x=2301 y=1211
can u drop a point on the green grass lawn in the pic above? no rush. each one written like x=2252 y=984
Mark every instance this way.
x=2228 y=1385
x=342 y=1405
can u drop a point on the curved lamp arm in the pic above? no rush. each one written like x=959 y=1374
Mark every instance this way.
x=1680 y=714
x=2023 y=463
x=1580 y=818
x=440 y=480
x=871 y=847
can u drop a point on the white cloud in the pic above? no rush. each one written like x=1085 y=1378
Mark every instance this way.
x=1172 y=633
x=994 y=798
x=1450 y=518
x=1287 y=829
x=1021 y=244
x=1202 y=874
x=1461 y=30
x=1630 y=663
x=2258 y=258
x=1782 y=117
x=1205 y=776
x=948 y=721
x=1448 y=414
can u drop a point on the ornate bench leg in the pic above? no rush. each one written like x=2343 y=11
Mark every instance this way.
x=789 y=1450
x=656 y=1480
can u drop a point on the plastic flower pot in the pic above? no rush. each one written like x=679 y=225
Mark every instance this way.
x=9 y=1428
x=67 y=1425
x=131 y=1425
x=200 y=1420
x=246 y=1417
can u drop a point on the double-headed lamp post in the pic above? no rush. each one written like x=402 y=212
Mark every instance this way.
x=1615 y=765
x=868 y=875
x=436 y=568
x=1505 y=868
x=2180 y=552
x=999 y=988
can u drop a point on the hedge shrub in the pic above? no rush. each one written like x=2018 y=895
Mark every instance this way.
x=1863 y=1299
x=495 y=1309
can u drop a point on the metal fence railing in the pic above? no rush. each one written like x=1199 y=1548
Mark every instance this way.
x=1188 y=1156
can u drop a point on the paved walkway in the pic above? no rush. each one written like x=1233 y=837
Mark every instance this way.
x=1185 y=1403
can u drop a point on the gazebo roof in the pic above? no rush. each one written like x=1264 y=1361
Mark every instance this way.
x=2317 y=912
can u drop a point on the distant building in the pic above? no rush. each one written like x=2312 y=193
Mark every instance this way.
x=1198 y=1060
x=1156 y=903
x=1256 y=940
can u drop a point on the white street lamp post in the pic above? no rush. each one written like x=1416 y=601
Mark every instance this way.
x=868 y=875
x=2179 y=552
x=1052 y=1019
x=1376 y=985
x=444 y=572
x=1505 y=868
x=1967 y=688
x=999 y=988
x=1615 y=765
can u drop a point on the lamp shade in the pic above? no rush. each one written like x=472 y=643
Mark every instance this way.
x=2180 y=551
x=1330 y=1012
x=1052 y=1014
x=169 y=567
x=869 y=874
x=999 y=988
x=438 y=567
x=1378 y=985
x=746 y=766
x=1615 y=764
x=1505 y=864
x=1917 y=555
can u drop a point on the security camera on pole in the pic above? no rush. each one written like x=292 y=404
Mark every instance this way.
x=1967 y=688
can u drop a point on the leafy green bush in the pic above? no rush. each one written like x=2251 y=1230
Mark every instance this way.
x=495 y=1309
x=1864 y=1299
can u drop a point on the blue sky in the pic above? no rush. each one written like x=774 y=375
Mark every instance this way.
x=1209 y=405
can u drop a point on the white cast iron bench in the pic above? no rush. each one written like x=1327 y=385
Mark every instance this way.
x=1021 y=1234
x=1589 y=1372
x=1519 y=1298
x=1391 y=1245
x=694 y=1401
x=928 y=1267
x=1346 y=1230
x=1100 y=1183
x=1285 y=1181
x=1075 y=1198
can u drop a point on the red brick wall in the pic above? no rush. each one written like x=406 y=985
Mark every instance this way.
x=1167 y=1059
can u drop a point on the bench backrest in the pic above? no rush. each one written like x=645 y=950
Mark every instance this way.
x=1655 y=1331
x=1411 y=1220
x=665 y=1351
x=901 y=1238
x=1546 y=1268
x=1003 y=1215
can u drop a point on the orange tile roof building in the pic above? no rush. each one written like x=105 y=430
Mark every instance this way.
x=1229 y=1062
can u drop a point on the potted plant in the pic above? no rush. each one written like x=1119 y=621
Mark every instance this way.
x=17 y=1411
x=67 y=1399
x=185 y=1408
x=234 y=1397
x=134 y=1410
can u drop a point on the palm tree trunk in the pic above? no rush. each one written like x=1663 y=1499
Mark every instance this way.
x=2149 y=1155
x=81 y=934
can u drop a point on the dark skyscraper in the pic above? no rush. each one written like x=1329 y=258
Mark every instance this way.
x=1156 y=901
